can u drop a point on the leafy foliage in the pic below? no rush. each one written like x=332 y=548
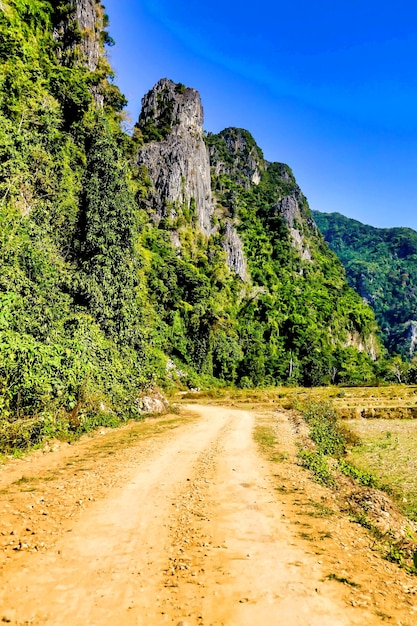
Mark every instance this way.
x=105 y=239
x=317 y=463
x=64 y=358
x=325 y=431
x=194 y=300
x=361 y=476
x=330 y=439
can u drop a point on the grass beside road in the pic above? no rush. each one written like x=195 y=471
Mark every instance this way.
x=388 y=450
x=390 y=401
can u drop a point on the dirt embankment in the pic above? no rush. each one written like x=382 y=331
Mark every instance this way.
x=174 y=522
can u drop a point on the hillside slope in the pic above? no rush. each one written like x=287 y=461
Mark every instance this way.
x=381 y=266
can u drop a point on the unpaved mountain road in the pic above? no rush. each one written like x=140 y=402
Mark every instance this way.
x=189 y=527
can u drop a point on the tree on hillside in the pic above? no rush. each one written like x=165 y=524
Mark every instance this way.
x=106 y=239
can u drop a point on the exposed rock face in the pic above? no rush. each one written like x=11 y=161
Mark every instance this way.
x=289 y=210
x=233 y=247
x=292 y=210
x=235 y=155
x=412 y=336
x=406 y=338
x=177 y=160
x=242 y=160
x=369 y=344
x=176 y=156
x=83 y=20
x=78 y=34
x=90 y=26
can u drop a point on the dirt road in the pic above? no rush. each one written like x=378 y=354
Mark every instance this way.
x=193 y=531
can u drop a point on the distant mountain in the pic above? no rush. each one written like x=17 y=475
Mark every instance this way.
x=381 y=265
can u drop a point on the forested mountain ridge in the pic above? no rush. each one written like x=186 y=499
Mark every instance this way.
x=312 y=321
x=381 y=266
x=169 y=257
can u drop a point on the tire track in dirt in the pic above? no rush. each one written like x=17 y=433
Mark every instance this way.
x=109 y=568
x=233 y=562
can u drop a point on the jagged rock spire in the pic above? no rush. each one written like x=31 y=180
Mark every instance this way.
x=175 y=153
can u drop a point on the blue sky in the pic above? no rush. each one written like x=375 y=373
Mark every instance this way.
x=328 y=87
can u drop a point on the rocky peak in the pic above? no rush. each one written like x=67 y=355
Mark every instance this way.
x=236 y=154
x=170 y=107
x=288 y=208
x=292 y=208
x=175 y=154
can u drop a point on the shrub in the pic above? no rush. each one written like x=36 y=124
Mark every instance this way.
x=325 y=431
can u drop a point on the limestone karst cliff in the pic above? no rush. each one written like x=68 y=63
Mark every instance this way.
x=80 y=38
x=177 y=161
x=78 y=29
x=234 y=155
x=175 y=154
x=255 y=211
x=239 y=157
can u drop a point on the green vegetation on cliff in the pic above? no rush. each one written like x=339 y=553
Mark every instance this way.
x=302 y=324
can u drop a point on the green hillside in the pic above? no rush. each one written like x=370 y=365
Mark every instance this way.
x=304 y=313
x=381 y=265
